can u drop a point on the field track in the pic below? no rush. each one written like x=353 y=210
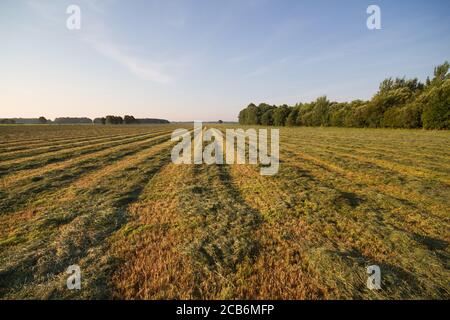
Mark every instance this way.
x=109 y=199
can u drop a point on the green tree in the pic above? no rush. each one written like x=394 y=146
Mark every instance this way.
x=242 y=116
x=399 y=103
x=113 y=120
x=441 y=73
x=280 y=115
x=267 y=118
x=99 y=120
x=252 y=114
x=436 y=109
x=291 y=120
x=320 y=113
x=129 y=120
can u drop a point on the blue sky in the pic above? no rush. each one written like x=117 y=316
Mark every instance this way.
x=185 y=60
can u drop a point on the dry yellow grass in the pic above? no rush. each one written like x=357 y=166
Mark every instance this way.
x=16 y=177
x=141 y=227
x=154 y=266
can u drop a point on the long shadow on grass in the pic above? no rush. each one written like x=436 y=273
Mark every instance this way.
x=223 y=221
x=396 y=282
x=36 y=188
x=49 y=159
x=80 y=232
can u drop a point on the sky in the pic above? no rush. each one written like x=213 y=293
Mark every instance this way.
x=208 y=59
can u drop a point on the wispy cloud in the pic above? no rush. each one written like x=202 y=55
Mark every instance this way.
x=142 y=68
x=96 y=36
x=258 y=72
x=241 y=58
x=44 y=10
x=270 y=67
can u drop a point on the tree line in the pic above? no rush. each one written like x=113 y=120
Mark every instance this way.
x=399 y=103
x=127 y=120
x=84 y=120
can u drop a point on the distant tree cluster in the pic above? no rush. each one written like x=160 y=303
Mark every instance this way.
x=127 y=120
x=67 y=120
x=100 y=120
x=399 y=103
x=130 y=120
x=151 y=121
x=113 y=120
x=42 y=120
x=7 y=121
x=20 y=121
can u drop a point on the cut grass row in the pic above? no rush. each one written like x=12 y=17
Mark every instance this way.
x=9 y=167
x=57 y=142
x=48 y=147
x=432 y=161
x=335 y=234
x=431 y=195
x=31 y=185
x=351 y=226
x=51 y=133
x=71 y=230
x=71 y=149
x=420 y=145
x=15 y=178
x=414 y=168
x=141 y=227
x=191 y=233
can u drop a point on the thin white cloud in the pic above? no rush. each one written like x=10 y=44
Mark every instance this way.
x=262 y=70
x=96 y=36
x=258 y=72
x=99 y=6
x=141 y=68
x=241 y=58
x=44 y=10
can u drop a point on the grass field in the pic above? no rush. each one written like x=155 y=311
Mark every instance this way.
x=109 y=199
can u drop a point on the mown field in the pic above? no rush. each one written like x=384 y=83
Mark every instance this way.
x=109 y=199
